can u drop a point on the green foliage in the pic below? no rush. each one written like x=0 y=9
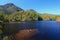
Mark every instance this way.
x=1 y=13
x=17 y=16
x=48 y=17
x=31 y=15
x=6 y=18
x=6 y=38
x=1 y=27
x=1 y=16
x=1 y=32
x=22 y=16
x=28 y=16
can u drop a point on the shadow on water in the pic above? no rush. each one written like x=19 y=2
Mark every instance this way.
x=48 y=30
x=16 y=26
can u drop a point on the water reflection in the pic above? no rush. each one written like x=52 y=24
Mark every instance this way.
x=48 y=30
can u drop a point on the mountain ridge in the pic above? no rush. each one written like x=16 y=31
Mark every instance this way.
x=10 y=8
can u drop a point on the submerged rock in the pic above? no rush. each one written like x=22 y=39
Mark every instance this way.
x=26 y=34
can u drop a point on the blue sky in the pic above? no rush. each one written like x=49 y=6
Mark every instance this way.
x=41 y=6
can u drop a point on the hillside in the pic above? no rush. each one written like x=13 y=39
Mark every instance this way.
x=10 y=8
x=19 y=14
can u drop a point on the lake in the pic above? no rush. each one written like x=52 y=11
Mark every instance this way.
x=48 y=30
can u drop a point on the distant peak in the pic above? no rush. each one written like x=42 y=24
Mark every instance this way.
x=31 y=10
x=10 y=8
x=9 y=4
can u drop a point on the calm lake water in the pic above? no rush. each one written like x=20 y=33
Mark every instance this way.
x=49 y=30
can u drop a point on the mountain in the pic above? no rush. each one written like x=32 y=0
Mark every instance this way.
x=10 y=8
